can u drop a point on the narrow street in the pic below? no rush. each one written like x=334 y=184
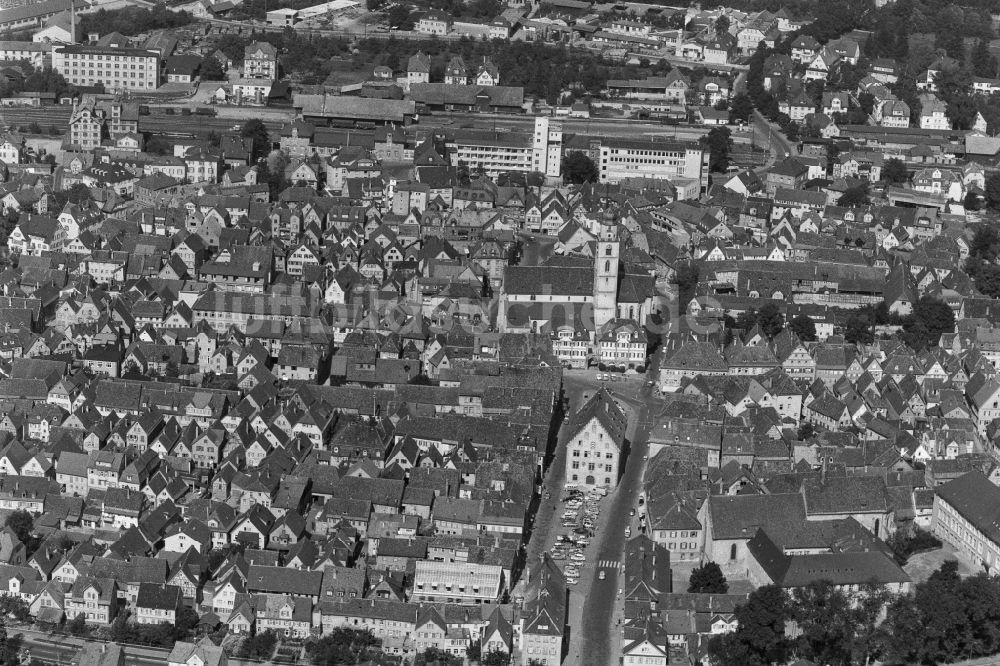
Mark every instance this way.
x=599 y=633
x=767 y=136
x=592 y=601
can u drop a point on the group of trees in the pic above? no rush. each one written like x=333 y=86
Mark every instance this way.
x=981 y=264
x=260 y=646
x=922 y=328
x=492 y=658
x=162 y=634
x=917 y=32
x=578 y=168
x=906 y=543
x=928 y=319
x=718 y=141
x=769 y=318
x=44 y=79
x=946 y=619
x=343 y=646
x=212 y=69
x=543 y=70
x=10 y=648
x=925 y=324
x=818 y=622
x=914 y=32
x=771 y=321
x=133 y=20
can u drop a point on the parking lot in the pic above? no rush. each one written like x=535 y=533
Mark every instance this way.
x=578 y=521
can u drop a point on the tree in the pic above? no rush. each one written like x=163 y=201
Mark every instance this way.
x=894 y=170
x=233 y=46
x=770 y=319
x=718 y=141
x=983 y=62
x=686 y=278
x=187 y=620
x=399 y=17
x=578 y=168
x=929 y=319
x=741 y=108
x=212 y=70
x=260 y=646
x=79 y=193
x=985 y=244
x=343 y=646
x=722 y=25
x=78 y=625
x=746 y=320
x=806 y=431
x=496 y=658
x=981 y=264
x=257 y=131
x=437 y=656
x=708 y=579
x=804 y=327
x=824 y=617
x=15 y=606
x=857 y=330
x=21 y=523
x=993 y=191
x=760 y=636
x=855 y=196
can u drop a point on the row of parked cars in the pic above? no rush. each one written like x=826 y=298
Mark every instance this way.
x=579 y=521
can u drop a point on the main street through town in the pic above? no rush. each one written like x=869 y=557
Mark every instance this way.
x=592 y=601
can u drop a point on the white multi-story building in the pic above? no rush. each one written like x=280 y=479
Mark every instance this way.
x=260 y=61
x=964 y=515
x=11 y=51
x=547 y=147
x=11 y=149
x=494 y=153
x=116 y=68
x=457 y=582
x=622 y=343
x=594 y=447
x=655 y=158
x=933 y=113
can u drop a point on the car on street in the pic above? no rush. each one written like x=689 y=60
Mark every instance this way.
x=628 y=532
x=632 y=512
x=602 y=575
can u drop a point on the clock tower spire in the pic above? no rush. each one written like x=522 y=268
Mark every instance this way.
x=606 y=270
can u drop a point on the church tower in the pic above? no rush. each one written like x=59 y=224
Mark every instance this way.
x=606 y=272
